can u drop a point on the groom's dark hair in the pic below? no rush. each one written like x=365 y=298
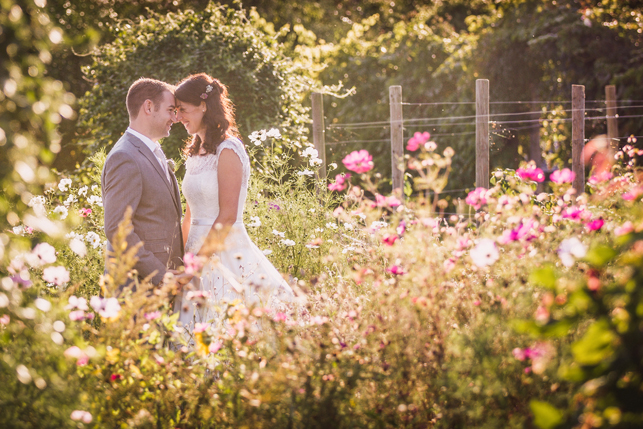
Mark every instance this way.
x=145 y=89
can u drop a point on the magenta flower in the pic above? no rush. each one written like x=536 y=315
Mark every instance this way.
x=389 y=239
x=522 y=231
x=531 y=172
x=519 y=354
x=192 y=263
x=395 y=270
x=401 y=228
x=562 y=176
x=56 y=275
x=576 y=214
x=75 y=352
x=417 y=140
x=477 y=198
x=84 y=212
x=633 y=194
x=280 y=317
x=595 y=224
x=340 y=182
x=358 y=161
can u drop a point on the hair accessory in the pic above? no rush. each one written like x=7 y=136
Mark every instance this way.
x=208 y=89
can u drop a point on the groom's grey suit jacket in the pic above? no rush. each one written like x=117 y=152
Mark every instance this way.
x=133 y=177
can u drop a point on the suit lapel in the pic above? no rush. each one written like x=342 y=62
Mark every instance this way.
x=172 y=188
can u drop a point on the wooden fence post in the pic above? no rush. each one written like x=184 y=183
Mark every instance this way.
x=578 y=136
x=397 y=138
x=319 y=133
x=612 y=122
x=482 y=133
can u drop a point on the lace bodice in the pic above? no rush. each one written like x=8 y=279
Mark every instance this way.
x=201 y=185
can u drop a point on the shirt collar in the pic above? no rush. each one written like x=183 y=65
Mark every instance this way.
x=148 y=141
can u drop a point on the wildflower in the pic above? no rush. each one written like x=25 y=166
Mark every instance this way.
x=389 y=239
x=531 y=172
x=107 y=308
x=576 y=214
x=78 y=247
x=274 y=133
x=256 y=222
x=84 y=212
x=595 y=224
x=569 y=249
x=562 y=176
x=215 y=346
x=93 y=239
x=401 y=228
x=115 y=377
x=305 y=172
x=64 y=184
x=519 y=354
x=288 y=242
x=310 y=152
x=42 y=304
x=153 y=315
x=199 y=295
x=377 y=225
x=314 y=244
x=18 y=230
x=417 y=140
x=601 y=177
x=38 y=205
x=430 y=146
x=633 y=194
x=395 y=270
x=200 y=327
x=331 y=225
x=280 y=317
x=273 y=206
x=382 y=201
x=279 y=234
x=5 y=319
x=56 y=275
x=70 y=199
x=78 y=303
x=95 y=200
x=75 y=352
x=485 y=253
x=626 y=228
x=448 y=152
x=358 y=161
x=477 y=198
x=319 y=320
x=83 y=191
x=45 y=253
x=349 y=226
x=192 y=263
x=61 y=211
x=340 y=182
x=83 y=416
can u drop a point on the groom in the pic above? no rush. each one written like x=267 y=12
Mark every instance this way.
x=136 y=174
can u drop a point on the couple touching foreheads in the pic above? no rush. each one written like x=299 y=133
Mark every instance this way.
x=137 y=175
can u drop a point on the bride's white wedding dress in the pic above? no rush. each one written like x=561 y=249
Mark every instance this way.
x=243 y=273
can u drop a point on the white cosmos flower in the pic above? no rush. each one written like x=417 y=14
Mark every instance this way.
x=83 y=191
x=95 y=200
x=266 y=252
x=70 y=199
x=485 y=253
x=38 y=205
x=78 y=247
x=256 y=222
x=570 y=249
x=310 y=152
x=279 y=234
x=333 y=166
x=274 y=133
x=315 y=162
x=377 y=225
x=348 y=226
x=331 y=225
x=94 y=187
x=93 y=239
x=19 y=230
x=288 y=242
x=306 y=172
x=64 y=184
x=61 y=211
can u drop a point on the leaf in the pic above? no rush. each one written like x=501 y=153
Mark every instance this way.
x=545 y=277
x=596 y=344
x=545 y=415
x=600 y=255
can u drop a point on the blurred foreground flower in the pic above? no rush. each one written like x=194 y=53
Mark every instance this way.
x=340 y=182
x=417 y=140
x=485 y=253
x=562 y=176
x=107 y=308
x=477 y=198
x=531 y=172
x=56 y=275
x=83 y=416
x=569 y=249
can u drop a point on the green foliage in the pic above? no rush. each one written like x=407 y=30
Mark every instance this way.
x=265 y=86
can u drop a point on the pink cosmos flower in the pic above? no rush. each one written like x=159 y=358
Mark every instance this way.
x=200 y=327
x=84 y=212
x=153 y=315
x=358 y=161
x=215 y=346
x=389 y=239
x=401 y=228
x=562 y=176
x=75 y=352
x=576 y=214
x=519 y=354
x=192 y=263
x=595 y=224
x=626 y=228
x=5 y=319
x=340 y=182
x=449 y=264
x=280 y=317
x=523 y=230
x=107 y=308
x=477 y=198
x=531 y=172
x=603 y=176
x=395 y=270
x=115 y=377
x=382 y=201
x=56 y=275
x=417 y=140
x=633 y=194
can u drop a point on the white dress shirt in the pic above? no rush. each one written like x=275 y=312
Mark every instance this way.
x=154 y=147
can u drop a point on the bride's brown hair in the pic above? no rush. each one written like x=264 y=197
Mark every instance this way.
x=218 y=117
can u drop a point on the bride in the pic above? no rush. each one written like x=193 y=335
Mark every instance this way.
x=215 y=188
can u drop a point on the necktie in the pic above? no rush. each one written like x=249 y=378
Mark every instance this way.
x=161 y=157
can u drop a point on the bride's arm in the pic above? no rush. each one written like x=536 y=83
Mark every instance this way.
x=230 y=172
x=185 y=227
